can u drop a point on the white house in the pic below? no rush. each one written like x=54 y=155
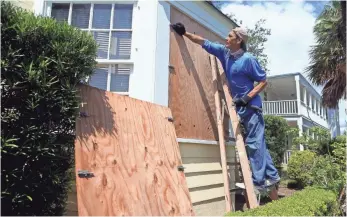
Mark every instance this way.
x=140 y=56
x=294 y=98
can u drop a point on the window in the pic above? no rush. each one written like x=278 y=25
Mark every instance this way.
x=111 y=27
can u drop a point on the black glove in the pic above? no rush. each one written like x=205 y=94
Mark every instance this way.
x=243 y=101
x=179 y=28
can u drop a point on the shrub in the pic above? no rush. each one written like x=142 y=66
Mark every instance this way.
x=327 y=174
x=299 y=167
x=42 y=63
x=339 y=150
x=308 y=202
x=275 y=134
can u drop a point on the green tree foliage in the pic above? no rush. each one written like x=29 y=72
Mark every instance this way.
x=328 y=56
x=257 y=37
x=338 y=147
x=319 y=143
x=299 y=167
x=275 y=134
x=326 y=173
x=323 y=163
x=42 y=63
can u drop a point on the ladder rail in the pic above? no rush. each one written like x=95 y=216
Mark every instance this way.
x=240 y=145
x=221 y=135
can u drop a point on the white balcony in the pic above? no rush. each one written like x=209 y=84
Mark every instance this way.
x=282 y=107
x=294 y=98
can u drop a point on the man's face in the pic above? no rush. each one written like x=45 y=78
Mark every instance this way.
x=232 y=40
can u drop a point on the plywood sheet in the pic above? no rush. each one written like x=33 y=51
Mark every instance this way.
x=191 y=96
x=131 y=149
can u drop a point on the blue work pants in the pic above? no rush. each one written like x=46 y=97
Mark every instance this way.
x=261 y=162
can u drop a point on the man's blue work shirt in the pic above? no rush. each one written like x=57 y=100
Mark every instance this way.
x=241 y=72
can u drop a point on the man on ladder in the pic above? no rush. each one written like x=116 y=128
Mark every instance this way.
x=242 y=70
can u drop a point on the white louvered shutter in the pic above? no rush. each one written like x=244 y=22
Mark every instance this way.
x=120 y=79
x=80 y=15
x=99 y=78
x=120 y=45
x=60 y=12
x=102 y=39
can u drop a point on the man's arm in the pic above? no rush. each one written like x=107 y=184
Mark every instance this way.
x=257 y=89
x=212 y=48
x=195 y=38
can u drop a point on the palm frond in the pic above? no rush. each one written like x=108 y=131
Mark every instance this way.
x=329 y=54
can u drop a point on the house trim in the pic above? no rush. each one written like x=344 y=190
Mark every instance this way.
x=201 y=10
x=203 y=142
x=162 y=54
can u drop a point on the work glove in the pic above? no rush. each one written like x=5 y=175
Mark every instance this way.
x=179 y=28
x=243 y=101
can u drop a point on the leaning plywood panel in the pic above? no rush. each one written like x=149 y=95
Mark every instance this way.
x=130 y=148
x=191 y=95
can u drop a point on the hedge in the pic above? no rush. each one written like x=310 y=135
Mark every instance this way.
x=275 y=134
x=308 y=202
x=42 y=64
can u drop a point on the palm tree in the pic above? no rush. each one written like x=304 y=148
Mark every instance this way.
x=328 y=56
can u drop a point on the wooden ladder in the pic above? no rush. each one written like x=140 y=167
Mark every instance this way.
x=245 y=167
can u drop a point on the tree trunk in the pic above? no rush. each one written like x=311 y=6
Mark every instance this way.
x=343 y=30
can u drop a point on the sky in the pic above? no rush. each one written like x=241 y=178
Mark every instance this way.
x=291 y=24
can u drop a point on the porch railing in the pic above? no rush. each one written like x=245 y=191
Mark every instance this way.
x=281 y=107
x=286 y=156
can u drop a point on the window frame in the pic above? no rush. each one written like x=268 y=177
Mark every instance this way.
x=101 y=62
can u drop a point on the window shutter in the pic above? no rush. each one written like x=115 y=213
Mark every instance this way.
x=102 y=16
x=80 y=15
x=120 y=45
x=60 y=12
x=102 y=40
x=99 y=78
x=120 y=79
x=123 y=15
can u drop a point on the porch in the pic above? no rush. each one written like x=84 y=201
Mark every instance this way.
x=292 y=95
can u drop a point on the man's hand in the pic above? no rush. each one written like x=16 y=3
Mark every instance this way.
x=243 y=101
x=179 y=28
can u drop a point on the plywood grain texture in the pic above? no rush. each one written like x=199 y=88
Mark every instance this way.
x=191 y=96
x=130 y=147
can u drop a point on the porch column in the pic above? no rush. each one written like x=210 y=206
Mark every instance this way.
x=305 y=98
x=310 y=101
x=301 y=147
x=297 y=85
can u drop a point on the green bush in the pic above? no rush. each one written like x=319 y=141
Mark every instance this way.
x=299 y=167
x=308 y=202
x=275 y=133
x=327 y=174
x=338 y=146
x=42 y=63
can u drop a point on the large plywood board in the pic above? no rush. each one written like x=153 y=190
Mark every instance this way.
x=130 y=147
x=191 y=94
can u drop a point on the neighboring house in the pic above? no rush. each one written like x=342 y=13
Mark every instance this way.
x=140 y=56
x=293 y=97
